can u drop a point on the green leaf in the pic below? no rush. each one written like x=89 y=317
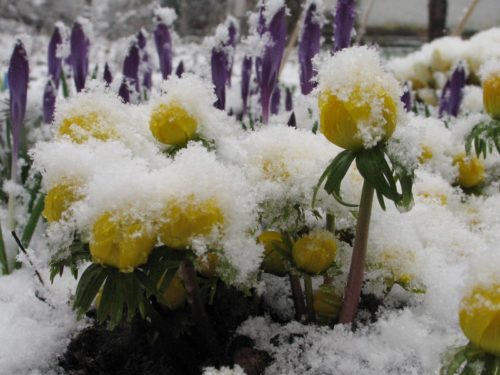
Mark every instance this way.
x=167 y=278
x=3 y=254
x=88 y=286
x=110 y=293
x=30 y=227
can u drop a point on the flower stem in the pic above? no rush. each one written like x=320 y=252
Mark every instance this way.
x=311 y=315
x=3 y=255
x=356 y=271
x=197 y=309
x=298 y=298
x=330 y=226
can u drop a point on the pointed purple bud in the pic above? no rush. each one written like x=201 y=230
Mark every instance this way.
x=107 y=76
x=219 y=63
x=141 y=39
x=288 y=100
x=232 y=29
x=180 y=69
x=124 y=92
x=444 y=99
x=79 y=55
x=345 y=14
x=457 y=84
x=49 y=101
x=268 y=65
x=406 y=97
x=275 y=101
x=292 y=123
x=163 y=43
x=54 y=62
x=309 y=46
x=131 y=66
x=246 y=74
x=147 y=68
x=18 y=76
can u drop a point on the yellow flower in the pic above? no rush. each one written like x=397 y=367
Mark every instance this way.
x=341 y=120
x=80 y=128
x=471 y=171
x=480 y=317
x=491 y=96
x=275 y=169
x=425 y=155
x=327 y=302
x=315 y=252
x=174 y=295
x=121 y=242
x=188 y=219
x=273 y=262
x=171 y=124
x=59 y=199
x=441 y=199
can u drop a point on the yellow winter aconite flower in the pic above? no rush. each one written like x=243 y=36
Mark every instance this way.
x=275 y=169
x=59 y=199
x=80 y=128
x=186 y=219
x=327 y=301
x=273 y=262
x=120 y=241
x=342 y=121
x=315 y=252
x=441 y=199
x=425 y=155
x=174 y=295
x=171 y=124
x=471 y=171
x=480 y=317
x=491 y=96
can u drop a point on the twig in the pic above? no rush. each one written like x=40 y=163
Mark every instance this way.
x=364 y=21
x=18 y=241
x=468 y=12
x=291 y=43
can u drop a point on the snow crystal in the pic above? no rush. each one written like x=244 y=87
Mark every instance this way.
x=490 y=68
x=236 y=370
x=165 y=15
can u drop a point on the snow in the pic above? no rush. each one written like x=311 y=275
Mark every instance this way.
x=165 y=15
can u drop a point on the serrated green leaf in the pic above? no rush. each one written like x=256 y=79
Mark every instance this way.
x=88 y=286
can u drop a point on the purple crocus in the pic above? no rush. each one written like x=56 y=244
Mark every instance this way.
x=141 y=39
x=131 y=66
x=452 y=94
x=292 y=122
x=268 y=64
x=147 y=69
x=246 y=74
x=53 y=60
x=345 y=13
x=107 y=76
x=275 y=101
x=163 y=42
x=232 y=29
x=18 y=76
x=49 y=101
x=309 y=46
x=288 y=100
x=406 y=97
x=124 y=91
x=79 y=44
x=219 y=65
x=180 y=69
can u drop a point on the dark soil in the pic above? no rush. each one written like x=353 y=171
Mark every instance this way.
x=169 y=343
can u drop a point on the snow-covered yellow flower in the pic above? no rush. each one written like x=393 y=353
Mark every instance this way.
x=274 y=261
x=120 y=241
x=471 y=170
x=327 y=301
x=189 y=218
x=171 y=124
x=491 y=96
x=315 y=252
x=80 y=128
x=480 y=317
x=59 y=198
x=175 y=294
x=425 y=155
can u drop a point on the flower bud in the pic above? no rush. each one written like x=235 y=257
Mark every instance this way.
x=171 y=124
x=120 y=241
x=80 y=128
x=491 y=96
x=471 y=171
x=480 y=317
x=188 y=219
x=315 y=252
x=327 y=302
x=59 y=199
x=174 y=295
x=273 y=262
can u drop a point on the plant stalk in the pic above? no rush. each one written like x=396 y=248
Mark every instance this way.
x=298 y=298
x=3 y=255
x=330 y=226
x=311 y=315
x=356 y=271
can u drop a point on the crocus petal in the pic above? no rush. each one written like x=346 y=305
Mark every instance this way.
x=218 y=63
x=406 y=97
x=180 y=69
x=141 y=39
x=131 y=66
x=107 y=76
x=49 y=101
x=345 y=13
x=457 y=84
x=309 y=46
x=124 y=92
x=147 y=79
x=53 y=61
x=246 y=74
x=163 y=45
x=275 y=101
x=79 y=44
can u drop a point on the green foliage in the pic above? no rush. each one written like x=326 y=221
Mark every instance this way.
x=484 y=136
x=469 y=360
x=76 y=253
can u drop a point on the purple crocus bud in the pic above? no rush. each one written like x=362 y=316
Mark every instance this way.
x=232 y=29
x=309 y=46
x=457 y=84
x=444 y=99
x=49 y=102
x=54 y=61
x=107 y=76
x=288 y=100
x=275 y=101
x=124 y=92
x=268 y=65
x=345 y=13
x=147 y=78
x=18 y=76
x=219 y=64
x=180 y=69
x=406 y=97
x=79 y=44
x=246 y=74
x=131 y=66
x=292 y=123
x=141 y=39
x=164 y=17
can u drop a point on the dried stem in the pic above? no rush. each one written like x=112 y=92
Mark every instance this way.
x=356 y=271
x=18 y=241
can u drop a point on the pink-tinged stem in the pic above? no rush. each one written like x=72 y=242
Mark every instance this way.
x=266 y=103
x=298 y=298
x=355 y=278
